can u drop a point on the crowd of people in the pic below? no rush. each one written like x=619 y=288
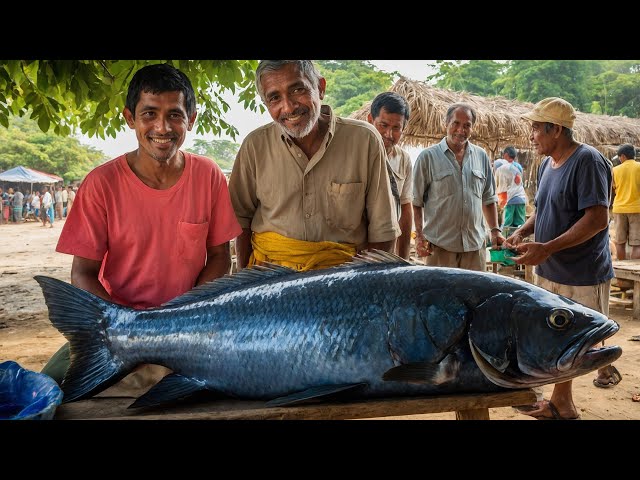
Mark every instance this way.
x=39 y=205
x=311 y=189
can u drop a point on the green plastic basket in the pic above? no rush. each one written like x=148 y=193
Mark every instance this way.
x=502 y=256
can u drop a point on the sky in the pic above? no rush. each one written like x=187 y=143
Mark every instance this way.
x=246 y=121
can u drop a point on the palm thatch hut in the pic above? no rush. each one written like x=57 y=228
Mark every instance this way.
x=498 y=123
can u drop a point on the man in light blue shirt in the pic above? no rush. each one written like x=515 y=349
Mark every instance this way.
x=453 y=191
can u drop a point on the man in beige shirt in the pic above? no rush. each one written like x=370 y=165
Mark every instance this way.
x=389 y=114
x=311 y=188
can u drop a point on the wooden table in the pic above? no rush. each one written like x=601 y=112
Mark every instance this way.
x=630 y=270
x=467 y=407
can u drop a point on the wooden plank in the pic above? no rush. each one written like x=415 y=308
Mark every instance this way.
x=468 y=406
x=630 y=270
x=620 y=301
x=627 y=269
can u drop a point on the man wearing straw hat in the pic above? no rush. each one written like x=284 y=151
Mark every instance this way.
x=570 y=224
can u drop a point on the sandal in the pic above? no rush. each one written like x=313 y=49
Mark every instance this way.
x=615 y=378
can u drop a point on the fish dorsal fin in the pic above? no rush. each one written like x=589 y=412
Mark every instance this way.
x=376 y=256
x=259 y=273
x=244 y=277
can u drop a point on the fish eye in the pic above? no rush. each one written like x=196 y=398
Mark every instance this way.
x=560 y=319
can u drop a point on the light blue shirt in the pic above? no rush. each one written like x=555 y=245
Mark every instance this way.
x=452 y=197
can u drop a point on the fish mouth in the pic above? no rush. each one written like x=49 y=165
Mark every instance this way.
x=588 y=352
x=579 y=358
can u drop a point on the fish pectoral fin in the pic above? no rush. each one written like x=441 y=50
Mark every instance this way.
x=413 y=373
x=311 y=393
x=444 y=371
x=171 y=388
x=500 y=364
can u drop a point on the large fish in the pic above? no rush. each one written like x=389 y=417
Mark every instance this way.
x=375 y=327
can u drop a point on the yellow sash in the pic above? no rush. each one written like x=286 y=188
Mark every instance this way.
x=298 y=254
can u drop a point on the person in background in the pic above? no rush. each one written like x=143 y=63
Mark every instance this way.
x=570 y=225
x=35 y=204
x=615 y=161
x=5 y=205
x=7 y=200
x=510 y=174
x=57 y=196
x=46 y=212
x=17 y=204
x=390 y=114
x=71 y=196
x=177 y=236
x=453 y=191
x=626 y=204
x=309 y=189
x=497 y=163
x=65 y=199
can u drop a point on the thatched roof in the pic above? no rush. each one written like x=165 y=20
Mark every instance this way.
x=498 y=121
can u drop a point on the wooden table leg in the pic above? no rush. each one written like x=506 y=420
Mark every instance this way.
x=636 y=300
x=475 y=414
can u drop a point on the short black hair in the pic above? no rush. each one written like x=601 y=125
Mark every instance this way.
x=627 y=150
x=511 y=151
x=392 y=102
x=160 y=78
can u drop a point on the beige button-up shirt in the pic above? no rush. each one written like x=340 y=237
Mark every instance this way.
x=400 y=162
x=341 y=194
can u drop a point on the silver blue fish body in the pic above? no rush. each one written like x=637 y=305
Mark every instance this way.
x=379 y=327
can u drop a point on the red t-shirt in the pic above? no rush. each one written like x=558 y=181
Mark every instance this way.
x=152 y=243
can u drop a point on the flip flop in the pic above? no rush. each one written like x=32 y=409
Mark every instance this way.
x=615 y=375
x=555 y=413
x=532 y=407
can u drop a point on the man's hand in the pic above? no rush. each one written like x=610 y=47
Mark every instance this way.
x=513 y=241
x=532 y=253
x=496 y=238
x=423 y=246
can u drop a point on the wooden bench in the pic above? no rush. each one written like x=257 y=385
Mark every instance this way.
x=467 y=407
x=630 y=270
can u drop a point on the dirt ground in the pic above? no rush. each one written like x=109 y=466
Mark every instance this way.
x=27 y=337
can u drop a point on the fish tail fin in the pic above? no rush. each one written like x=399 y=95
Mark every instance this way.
x=80 y=317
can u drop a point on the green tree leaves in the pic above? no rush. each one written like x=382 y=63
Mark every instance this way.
x=222 y=151
x=596 y=86
x=351 y=83
x=23 y=143
x=89 y=95
x=476 y=76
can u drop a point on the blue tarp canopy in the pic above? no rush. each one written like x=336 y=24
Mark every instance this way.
x=23 y=174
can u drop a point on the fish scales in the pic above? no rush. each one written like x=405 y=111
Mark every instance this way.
x=385 y=327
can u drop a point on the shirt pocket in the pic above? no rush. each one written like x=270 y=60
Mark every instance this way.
x=192 y=241
x=345 y=205
x=477 y=182
x=443 y=185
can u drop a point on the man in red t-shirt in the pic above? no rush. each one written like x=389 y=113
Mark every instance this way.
x=153 y=223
